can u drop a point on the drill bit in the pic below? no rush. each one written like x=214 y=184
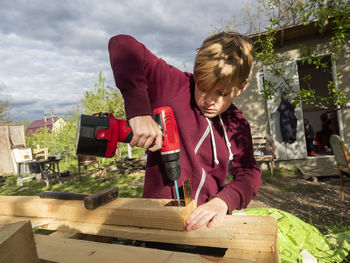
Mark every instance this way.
x=177 y=192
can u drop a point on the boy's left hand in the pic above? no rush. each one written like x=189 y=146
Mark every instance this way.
x=208 y=214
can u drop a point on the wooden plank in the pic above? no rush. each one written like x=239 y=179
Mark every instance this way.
x=17 y=243
x=327 y=171
x=71 y=250
x=6 y=160
x=263 y=158
x=65 y=234
x=247 y=236
x=261 y=257
x=141 y=212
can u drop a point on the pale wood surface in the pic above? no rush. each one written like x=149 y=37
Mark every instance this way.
x=259 y=143
x=123 y=211
x=17 y=243
x=6 y=161
x=248 y=237
x=70 y=250
x=312 y=171
x=41 y=152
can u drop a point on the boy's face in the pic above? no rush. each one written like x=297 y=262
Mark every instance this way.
x=216 y=100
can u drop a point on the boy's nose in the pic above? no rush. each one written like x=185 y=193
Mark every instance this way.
x=209 y=99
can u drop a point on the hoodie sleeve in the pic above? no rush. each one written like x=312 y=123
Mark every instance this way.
x=143 y=79
x=129 y=61
x=246 y=174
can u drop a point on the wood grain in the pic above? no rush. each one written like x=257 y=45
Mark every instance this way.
x=70 y=250
x=17 y=243
x=140 y=212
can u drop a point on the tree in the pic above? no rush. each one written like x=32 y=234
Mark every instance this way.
x=62 y=142
x=274 y=14
x=4 y=110
x=103 y=99
x=256 y=15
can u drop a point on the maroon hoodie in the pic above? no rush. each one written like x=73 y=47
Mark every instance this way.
x=148 y=82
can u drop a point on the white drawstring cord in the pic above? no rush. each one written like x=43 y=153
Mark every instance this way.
x=213 y=142
x=228 y=144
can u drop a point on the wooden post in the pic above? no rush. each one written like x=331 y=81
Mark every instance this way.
x=17 y=243
x=140 y=212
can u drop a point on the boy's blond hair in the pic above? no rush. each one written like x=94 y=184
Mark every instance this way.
x=226 y=56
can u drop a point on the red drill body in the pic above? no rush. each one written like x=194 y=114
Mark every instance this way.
x=99 y=136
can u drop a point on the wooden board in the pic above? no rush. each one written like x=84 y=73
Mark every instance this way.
x=140 y=212
x=11 y=136
x=17 y=243
x=6 y=161
x=70 y=250
x=311 y=171
x=247 y=237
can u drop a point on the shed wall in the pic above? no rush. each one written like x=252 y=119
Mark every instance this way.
x=11 y=136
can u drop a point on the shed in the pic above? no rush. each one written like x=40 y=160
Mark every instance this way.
x=264 y=116
x=11 y=137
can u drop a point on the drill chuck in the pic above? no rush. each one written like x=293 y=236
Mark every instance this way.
x=172 y=165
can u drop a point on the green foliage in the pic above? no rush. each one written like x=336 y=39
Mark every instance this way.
x=4 y=110
x=103 y=99
x=266 y=17
x=308 y=10
x=338 y=227
x=62 y=142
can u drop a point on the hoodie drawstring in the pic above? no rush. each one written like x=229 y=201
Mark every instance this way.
x=213 y=142
x=228 y=144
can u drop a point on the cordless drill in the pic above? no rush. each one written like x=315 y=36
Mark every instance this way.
x=99 y=135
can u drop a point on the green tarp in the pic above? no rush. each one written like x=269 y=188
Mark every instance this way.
x=294 y=236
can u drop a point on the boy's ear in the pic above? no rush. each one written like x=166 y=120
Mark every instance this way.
x=241 y=88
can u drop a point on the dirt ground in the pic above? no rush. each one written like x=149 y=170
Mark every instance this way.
x=315 y=201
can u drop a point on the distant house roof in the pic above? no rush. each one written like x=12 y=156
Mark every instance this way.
x=298 y=31
x=40 y=124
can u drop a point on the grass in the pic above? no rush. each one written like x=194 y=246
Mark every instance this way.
x=337 y=228
x=129 y=185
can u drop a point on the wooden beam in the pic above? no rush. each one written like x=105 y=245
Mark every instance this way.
x=140 y=212
x=71 y=250
x=247 y=237
x=17 y=243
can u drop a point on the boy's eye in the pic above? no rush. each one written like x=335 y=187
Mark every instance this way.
x=224 y=94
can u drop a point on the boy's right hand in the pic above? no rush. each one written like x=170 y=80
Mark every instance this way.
x=145 y=131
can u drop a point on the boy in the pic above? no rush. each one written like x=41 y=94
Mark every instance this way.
x=214 y=136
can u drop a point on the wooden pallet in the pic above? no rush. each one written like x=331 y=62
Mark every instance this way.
x=247 y=238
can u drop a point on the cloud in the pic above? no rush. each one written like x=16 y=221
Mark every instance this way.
x=52 y=51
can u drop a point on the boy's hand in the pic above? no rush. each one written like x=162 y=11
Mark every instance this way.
x=145 y=130
x=208 y=214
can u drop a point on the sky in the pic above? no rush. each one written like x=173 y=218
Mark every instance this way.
x=51 y=51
